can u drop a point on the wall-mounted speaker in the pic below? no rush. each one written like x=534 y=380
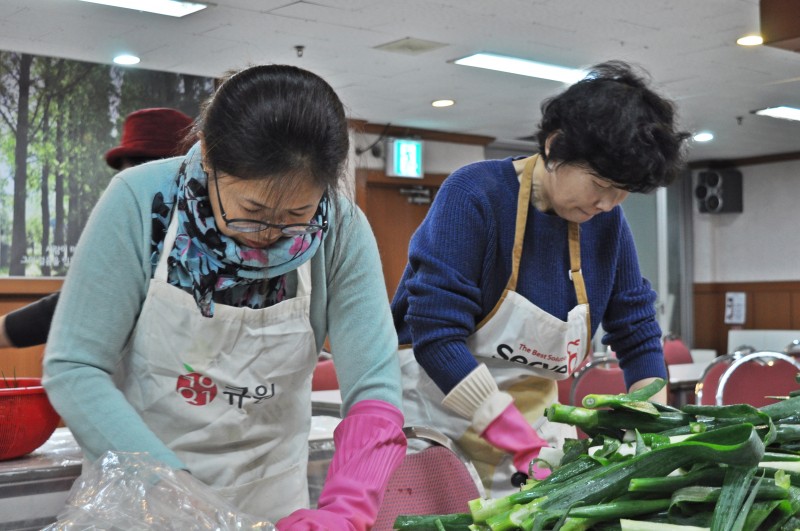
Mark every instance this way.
x=719 y=191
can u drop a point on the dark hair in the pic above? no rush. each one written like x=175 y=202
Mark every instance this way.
x=616 y=126
x=276 y=121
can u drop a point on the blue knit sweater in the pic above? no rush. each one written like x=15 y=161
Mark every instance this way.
x=460 y=262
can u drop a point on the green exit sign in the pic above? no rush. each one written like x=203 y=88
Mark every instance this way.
x=404 y=158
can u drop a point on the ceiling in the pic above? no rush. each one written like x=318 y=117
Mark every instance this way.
x=688 y=46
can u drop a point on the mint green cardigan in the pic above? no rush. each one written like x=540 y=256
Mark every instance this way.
x=107 y=283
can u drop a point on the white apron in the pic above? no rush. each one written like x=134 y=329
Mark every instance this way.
x=231 y=394
x=525 y=348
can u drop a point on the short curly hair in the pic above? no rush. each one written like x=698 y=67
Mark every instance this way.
x=615 y=125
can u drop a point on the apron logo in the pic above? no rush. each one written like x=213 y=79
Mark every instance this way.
x=199 y=390
x=572 y=353
x=262 y=392
x=196 y=389
x=504 y=351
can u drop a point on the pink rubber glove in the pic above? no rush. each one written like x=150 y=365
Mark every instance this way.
x=512 y=433
x=370 y=445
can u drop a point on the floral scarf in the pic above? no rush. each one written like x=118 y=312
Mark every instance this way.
x=214 y=267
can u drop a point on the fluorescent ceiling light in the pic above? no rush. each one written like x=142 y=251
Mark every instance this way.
x=126 y=59
x=787 y=113
x=172 y=8
x=443 y=103
x=703 y=136
x=523 y=67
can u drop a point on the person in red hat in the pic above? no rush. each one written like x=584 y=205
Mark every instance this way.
x=150 y=134
x=147 y=134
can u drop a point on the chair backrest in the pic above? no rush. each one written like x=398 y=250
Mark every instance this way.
x=434 y=478
x=676 y=351
x=564 y=390
x=755 y=377
x=600 y=376
x=565 y=385
x=705 y=391
x=324 y=376
x=793 y=348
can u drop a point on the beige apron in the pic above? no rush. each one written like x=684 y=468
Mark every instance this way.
x=229 y=394
x=525 y=348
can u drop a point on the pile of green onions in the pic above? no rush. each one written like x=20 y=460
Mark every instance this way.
x=648 y=466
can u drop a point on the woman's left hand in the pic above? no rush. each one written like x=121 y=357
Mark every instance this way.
x=660 y=397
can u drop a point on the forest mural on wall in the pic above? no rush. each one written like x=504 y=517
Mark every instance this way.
x=58 y=117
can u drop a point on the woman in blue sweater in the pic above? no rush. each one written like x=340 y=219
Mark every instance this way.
x=200 y=295
x=517 y=263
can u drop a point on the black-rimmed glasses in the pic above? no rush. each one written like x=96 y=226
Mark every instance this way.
x=252 y=225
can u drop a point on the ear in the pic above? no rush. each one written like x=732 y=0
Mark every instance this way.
x=549 y=141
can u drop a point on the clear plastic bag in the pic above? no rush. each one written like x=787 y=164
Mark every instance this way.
x=132 y=491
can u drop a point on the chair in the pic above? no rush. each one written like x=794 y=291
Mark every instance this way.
x=564 y=390
x=324 y=376
x=676 y=351
x=793 y=348
x=434 y=478
x=705 y=392
x=600 y=376
x=756 y=377
x=565 y=385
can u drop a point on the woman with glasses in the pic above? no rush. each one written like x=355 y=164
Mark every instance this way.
x=199 y=298
x=517 y=263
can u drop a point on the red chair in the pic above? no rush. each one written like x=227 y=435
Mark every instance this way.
x=565 y=385
x=755 y=378
x=434 y=478
x=675 y=351
x=324 y=376
x=564 y=390
x=600 y=376
x=705 y=392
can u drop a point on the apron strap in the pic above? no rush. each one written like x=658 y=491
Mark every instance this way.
x=576 y=275
x=523 y=202
x=162 y=271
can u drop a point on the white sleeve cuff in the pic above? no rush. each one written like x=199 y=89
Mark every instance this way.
x=477 y=398
x=491 y=408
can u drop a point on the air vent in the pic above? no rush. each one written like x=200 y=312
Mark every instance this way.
x=410 y=46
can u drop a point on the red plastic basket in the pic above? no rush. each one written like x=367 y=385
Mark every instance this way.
x=27 y=419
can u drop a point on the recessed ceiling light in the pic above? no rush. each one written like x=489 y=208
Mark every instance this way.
x=443 y=103
x=703 y=136
x=750 y=40
x=523 y=67
x=172 y=8
x=126 y=59
x=787 y=113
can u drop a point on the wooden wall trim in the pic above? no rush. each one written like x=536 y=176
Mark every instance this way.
x=20 y=286
x=424 y=134
x=16 y=292
x=716 y=287
x=773 y=305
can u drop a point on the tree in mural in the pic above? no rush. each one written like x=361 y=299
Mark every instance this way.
x=15 y=112
x=57 y=119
